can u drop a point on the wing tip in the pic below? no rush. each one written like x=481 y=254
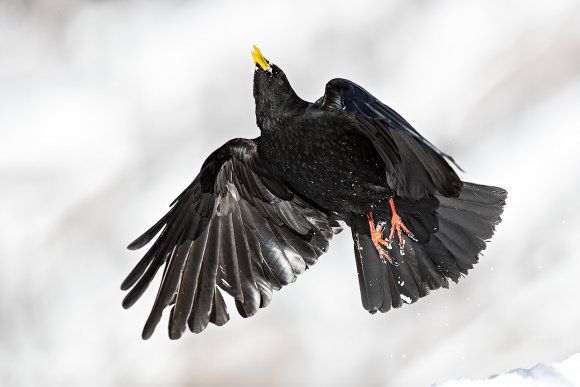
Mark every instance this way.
x=127 y=303
x=134 y=245
x=175 y=331
x=127 y=283
x=145 y=335
x=148 y=330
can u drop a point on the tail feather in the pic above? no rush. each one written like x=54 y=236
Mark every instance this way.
x=452 y=233
x=372 y=271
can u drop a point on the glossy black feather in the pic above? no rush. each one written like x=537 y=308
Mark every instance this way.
x=238 y=227
x=464 y=224
x=414 y=167
x=261 y=212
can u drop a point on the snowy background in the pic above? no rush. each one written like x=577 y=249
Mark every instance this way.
x=108 y=109
x=563 y=374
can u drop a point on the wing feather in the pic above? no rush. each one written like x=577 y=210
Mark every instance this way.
x=204 y=296
x=414 y=167
x=236 y=227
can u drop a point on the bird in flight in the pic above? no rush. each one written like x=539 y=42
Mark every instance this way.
x=262 y=211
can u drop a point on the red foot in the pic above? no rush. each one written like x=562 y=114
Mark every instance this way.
x=377 y=237
x=396 y=225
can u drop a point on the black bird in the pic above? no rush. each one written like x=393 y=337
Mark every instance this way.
x=262 y=211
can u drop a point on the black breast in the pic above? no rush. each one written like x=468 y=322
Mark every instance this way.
x=324 y=158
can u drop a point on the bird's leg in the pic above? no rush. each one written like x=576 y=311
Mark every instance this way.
x=377 y=238
x=398 y=226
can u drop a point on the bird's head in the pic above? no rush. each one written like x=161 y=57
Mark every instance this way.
x=272 y=92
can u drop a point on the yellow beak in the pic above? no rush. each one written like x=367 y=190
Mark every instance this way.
x=259 y=59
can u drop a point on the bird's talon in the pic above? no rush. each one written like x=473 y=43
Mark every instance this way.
x=377 y=238
x=397 y=228
x=402 y=248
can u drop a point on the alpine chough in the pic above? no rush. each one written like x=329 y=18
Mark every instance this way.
x=262 y=211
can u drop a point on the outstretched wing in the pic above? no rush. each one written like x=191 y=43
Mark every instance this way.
x=236 y=227
x=415 y=168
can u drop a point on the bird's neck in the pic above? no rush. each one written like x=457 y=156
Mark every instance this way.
x=271 y=112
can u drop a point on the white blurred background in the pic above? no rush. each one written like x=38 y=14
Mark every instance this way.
x=108 y=109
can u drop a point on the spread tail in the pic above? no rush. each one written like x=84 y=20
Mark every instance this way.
x=450 y=234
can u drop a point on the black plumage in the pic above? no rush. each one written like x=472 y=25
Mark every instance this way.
x=262 y=211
